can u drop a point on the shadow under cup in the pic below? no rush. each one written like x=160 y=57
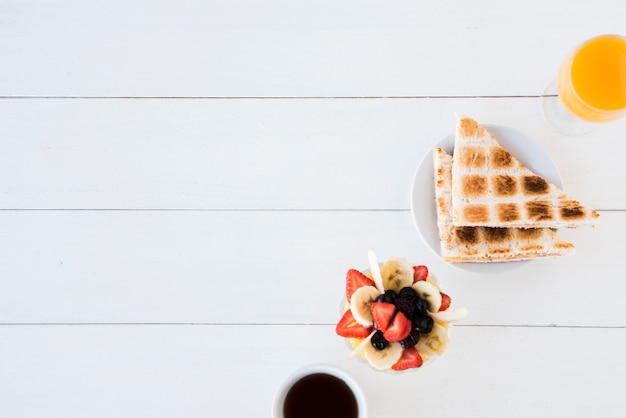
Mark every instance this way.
x=319 y=390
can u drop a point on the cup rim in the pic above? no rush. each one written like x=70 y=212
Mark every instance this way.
x=294 y=376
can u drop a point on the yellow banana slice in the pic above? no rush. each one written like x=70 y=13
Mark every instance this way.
x=361 y=304
x=430 y=293
x=375 y=270
x=382 y=359
x=396 y=274
x=434 y=343
x=450 y=316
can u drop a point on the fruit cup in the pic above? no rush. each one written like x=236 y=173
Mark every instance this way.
x=396 y=317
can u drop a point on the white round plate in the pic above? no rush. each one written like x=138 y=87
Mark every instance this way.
x=423 y=205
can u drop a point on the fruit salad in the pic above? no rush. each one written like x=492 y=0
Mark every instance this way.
x=396 y=315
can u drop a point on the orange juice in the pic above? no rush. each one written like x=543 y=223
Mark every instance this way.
x=592 y=79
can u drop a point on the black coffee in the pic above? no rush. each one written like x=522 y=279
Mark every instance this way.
x=320 y=395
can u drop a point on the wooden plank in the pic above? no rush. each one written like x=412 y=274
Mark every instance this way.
x=233 y=371
x=261 y=154
x=272 y=267
x=299 y=48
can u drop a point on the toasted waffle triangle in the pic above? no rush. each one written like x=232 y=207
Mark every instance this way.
x=485 y=244
x=492 y=188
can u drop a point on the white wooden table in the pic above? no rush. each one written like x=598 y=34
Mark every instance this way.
x=183 y=186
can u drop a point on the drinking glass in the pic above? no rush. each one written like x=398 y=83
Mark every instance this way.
x=590 y=87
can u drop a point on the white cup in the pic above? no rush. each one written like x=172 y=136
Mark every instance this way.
x=281 y=393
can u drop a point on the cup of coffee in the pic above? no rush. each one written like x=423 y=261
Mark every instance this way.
x=319 y=390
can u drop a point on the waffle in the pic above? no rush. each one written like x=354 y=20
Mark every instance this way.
x=486 y=244
x=492 y=188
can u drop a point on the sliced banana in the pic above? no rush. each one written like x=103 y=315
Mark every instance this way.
x=360 y=346
x=382 y=359
x=450 y=316
x=361 y=304
x=430 y=293
x=431 y=279
x=434 y=343
x=396 y=274
x=375 y=270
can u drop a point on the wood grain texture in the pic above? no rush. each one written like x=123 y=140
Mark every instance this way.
x=271 y=267
x=245 y=48
x=183 y=186
x=262 y=154
x=233 y=371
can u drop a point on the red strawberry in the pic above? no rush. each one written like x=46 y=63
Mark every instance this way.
x=410 y=359
x=399 y=328
x=445 y=301
x=354 y=280
x=419 y=273
x=382 y=314
x=349 y=328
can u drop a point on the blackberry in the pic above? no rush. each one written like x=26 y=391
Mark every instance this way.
x=389 y=296
x=421 y=307
x=411 y=339
x=378 y=341
x=406 y=305
x=423 y=324
x=408 y=292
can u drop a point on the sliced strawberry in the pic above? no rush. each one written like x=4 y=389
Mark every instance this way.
x=445 y=301
x=419 y=273
x=399 y=328
x=349 y=328
x=382 y=314
x=354 y=280
x=410 y=359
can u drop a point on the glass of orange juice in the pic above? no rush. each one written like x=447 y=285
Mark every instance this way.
x=590 y=87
